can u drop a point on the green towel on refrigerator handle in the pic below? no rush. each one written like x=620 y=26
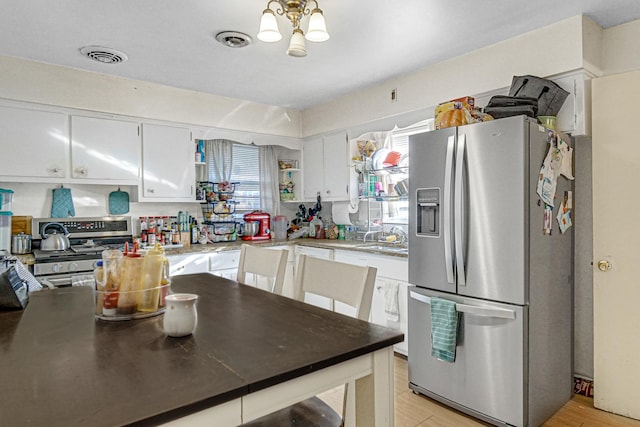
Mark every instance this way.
x=444 y=329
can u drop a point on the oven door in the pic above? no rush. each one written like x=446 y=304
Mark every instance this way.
x=66 y=280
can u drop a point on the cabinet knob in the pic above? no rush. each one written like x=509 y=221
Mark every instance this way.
x=150 y=190
x=81 y=171
x=55 y=171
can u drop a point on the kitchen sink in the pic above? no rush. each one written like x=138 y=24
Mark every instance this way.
x=384 y=248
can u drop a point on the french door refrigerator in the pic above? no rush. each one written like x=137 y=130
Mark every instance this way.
x=476 y=239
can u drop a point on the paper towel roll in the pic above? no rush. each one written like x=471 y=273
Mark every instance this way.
x=340 y=212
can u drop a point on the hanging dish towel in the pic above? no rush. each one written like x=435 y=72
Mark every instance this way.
x=118 y=202
x=62 y=204
x=444 y=329
x=391 y=301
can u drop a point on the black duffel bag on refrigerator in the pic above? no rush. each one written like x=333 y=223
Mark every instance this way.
x=550 y=96
x=500 y=106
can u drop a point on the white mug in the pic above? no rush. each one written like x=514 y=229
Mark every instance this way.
x=180 y=316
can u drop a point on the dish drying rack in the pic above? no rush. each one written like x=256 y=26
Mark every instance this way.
x=218 y=210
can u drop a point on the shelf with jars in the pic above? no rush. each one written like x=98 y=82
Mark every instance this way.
x=287 y=180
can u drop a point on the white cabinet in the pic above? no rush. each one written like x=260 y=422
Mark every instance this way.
x=225 y=264
x=188 y=264
x=389 y=293
x=105 y=150
x=326 y=167
x=36 y=144
x=168 y=171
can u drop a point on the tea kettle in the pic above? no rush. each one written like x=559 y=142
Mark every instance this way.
x=54 y=241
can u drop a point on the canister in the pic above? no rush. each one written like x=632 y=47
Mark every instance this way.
x=21 y=244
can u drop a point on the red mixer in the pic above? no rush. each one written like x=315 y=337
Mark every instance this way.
x=263 y=231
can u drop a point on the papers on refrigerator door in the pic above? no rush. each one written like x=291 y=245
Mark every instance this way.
x=548 y=178
x=564 y=212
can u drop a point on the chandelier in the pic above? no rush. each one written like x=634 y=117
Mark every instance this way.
x=294 y=10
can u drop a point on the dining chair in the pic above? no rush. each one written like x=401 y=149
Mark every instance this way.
x=262 y=267
x=347 y=285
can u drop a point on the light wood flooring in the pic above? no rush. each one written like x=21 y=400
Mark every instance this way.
x=412 y=410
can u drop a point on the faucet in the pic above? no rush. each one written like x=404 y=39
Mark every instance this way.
x=364 y=240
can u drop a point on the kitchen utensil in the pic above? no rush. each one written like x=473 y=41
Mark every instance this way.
x=54 y=241
x=62 y=203
x=118 y=202
x=250 y=228
x=402 y=187
x=264 y=225
x=21 y=244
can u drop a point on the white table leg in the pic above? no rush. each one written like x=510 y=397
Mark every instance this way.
x=374 y=393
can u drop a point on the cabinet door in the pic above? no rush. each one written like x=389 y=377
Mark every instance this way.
x=37 y=143
x=336 y=167
x=168 y=163
x=313 y=164
x=188 y=264
x=105 y=149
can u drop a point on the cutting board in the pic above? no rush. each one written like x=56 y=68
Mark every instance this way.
x=21 y=224
x=118 y=202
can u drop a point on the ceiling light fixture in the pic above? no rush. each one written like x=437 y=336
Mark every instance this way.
x=294 y=10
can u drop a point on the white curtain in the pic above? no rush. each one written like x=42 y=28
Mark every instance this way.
x=269 y=184
x=219 y=159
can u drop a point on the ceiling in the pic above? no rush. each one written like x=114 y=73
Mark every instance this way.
x=172 y=42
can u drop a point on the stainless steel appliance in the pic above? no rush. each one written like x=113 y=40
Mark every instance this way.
x=476 y=238
x=88 y=237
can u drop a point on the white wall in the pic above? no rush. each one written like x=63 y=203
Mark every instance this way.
x=88 y=200
x=554 y=49
x=621 y=48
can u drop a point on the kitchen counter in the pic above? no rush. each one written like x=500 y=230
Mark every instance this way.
x=61 y=367
x=352 y=245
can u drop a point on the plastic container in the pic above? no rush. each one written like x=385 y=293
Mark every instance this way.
x=151 y=280
x=130 y=284
x=548 y=121
x=109 y=282
x=5 y=231
x=6 y=199
x=279 y=227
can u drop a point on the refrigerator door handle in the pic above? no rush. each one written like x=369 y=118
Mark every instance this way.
x=459 y=214
x=446 y=209
x=471 y=309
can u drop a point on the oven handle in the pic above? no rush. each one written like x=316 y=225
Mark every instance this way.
x=53 y=283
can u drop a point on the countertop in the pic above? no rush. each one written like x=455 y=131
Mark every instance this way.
x=379 y=248
x=61 y=367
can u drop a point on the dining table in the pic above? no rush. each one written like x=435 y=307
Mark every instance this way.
x=252 y=353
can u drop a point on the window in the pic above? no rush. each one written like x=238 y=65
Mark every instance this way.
x=245 y=170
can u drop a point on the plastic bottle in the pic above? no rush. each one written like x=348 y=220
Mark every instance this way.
x=130 y=285
x=314 y=227
x=98 y=275
x=110 y=281
x=151 y=280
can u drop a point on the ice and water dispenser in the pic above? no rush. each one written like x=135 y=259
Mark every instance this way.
x=428 y=215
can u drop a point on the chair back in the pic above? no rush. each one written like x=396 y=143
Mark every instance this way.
x=347 y=283
x=264 y=264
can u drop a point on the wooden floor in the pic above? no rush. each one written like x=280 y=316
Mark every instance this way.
x=412 y=410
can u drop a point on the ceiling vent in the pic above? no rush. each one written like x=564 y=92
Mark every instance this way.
x=233 y=39
x=104 y=54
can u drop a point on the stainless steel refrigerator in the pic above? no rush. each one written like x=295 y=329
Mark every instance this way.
x=477 y=238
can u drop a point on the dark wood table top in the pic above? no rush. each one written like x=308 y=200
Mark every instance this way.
x=61 y=367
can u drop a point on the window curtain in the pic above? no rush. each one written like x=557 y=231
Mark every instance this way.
x=219 y=159
x=269 y=184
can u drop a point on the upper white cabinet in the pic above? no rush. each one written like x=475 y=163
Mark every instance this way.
x=326 y=167
x=168 y=171
x=35 y=144
x=105 y=150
